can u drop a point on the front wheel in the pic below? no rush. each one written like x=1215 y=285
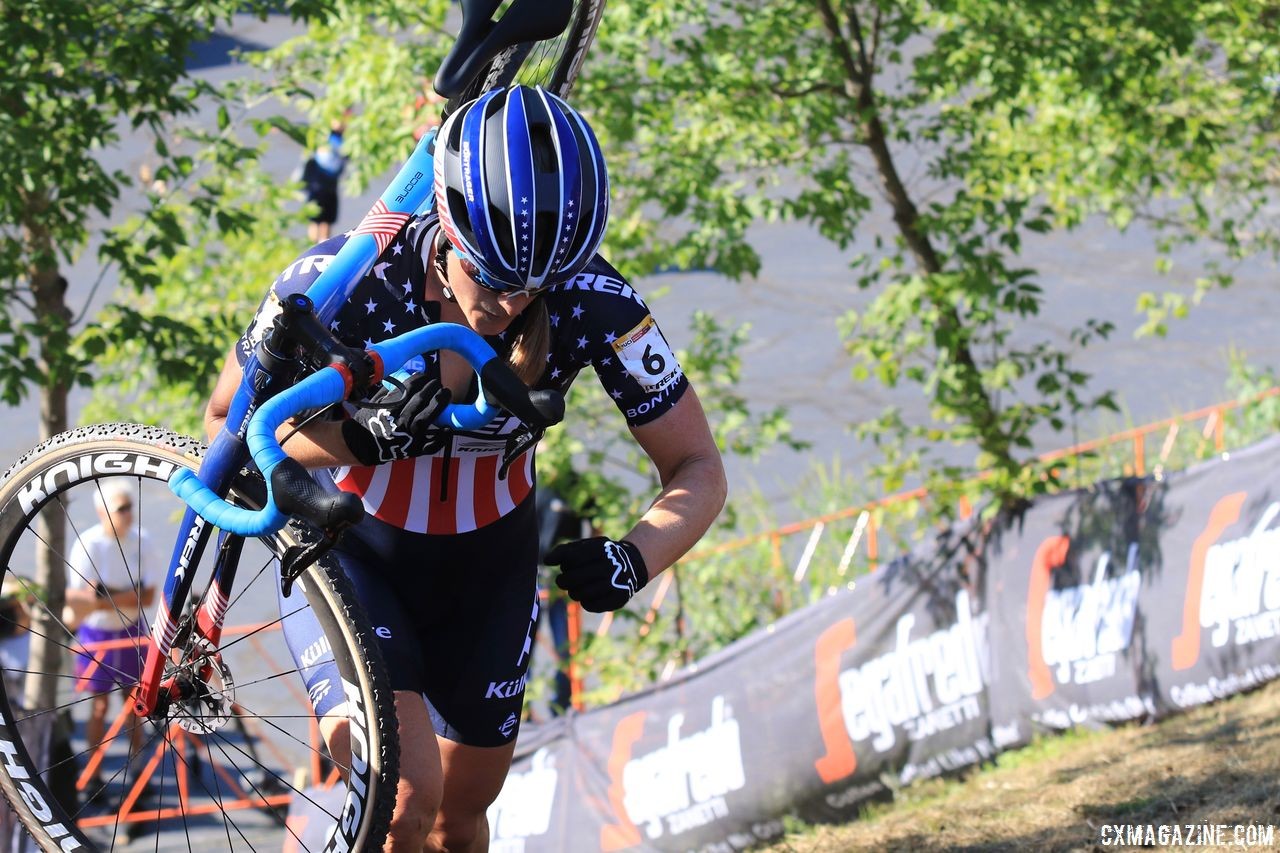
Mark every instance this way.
x=238 y=766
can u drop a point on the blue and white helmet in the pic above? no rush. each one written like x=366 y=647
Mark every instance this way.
x=521 y=188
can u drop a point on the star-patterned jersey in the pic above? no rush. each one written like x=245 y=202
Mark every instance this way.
x=597 y=319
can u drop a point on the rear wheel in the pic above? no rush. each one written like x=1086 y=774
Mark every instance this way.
x=553 y=63
x=222 y=768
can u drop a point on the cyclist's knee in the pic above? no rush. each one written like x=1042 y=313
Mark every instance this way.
x=417 y=803
x=460 y=832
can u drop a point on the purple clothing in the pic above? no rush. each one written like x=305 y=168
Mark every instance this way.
x=117 y=666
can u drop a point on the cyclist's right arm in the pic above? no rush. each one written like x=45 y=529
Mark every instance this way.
x=317 y=445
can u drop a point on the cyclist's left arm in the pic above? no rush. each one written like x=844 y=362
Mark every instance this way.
x=681 y=447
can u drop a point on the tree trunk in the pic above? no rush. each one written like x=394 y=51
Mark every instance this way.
x=48 y=635
x=858 y=87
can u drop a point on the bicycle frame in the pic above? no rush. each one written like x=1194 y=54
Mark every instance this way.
x=408 y=193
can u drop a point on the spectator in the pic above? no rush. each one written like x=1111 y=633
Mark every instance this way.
x=16 y=596
x=112 y=578
x=320 y=176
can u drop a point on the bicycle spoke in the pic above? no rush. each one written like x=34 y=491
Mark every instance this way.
x=227 y=824
x=251 y=582
x=217 y=735
x=259 y=629
x=267 y=719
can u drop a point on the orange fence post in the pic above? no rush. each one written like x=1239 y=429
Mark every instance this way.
x=873 y=545
x=575 y=635
x=1139 y=454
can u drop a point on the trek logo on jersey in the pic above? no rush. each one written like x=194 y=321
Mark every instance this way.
x=39 y=489
x=923 y=686
x=523 y=808
x=677 y=787
x=1075 y=634
x=595 y=283
x=646 y=356
x=1233 y=587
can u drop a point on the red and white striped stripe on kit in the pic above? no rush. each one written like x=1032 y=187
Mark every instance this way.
x=407 y=493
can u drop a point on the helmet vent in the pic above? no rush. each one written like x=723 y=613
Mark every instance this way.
x=544 y=242
x=544 y=148
x=458 y=210
x=502 y=232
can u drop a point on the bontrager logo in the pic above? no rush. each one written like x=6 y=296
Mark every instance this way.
x=343 y=835
x=34 y=799
x=38 y=489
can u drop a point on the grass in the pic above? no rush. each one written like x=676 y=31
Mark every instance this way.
x=1218 y=764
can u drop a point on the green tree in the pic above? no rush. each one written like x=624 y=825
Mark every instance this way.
x=1017 y=119
x=76 y=72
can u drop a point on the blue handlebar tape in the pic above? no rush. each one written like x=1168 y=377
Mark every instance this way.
x=396 y=351
x=321 y=389
x=318 y=389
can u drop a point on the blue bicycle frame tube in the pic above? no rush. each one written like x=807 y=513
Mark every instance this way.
x=409 y=192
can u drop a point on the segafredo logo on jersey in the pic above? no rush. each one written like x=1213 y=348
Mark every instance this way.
x=1233 y=586
x=677 y=787
x=38 y=489
x=523 y=808
x=54 y=828
x=1075 y=634
x=344 y=836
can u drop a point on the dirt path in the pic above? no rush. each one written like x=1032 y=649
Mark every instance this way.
x=1216 y=766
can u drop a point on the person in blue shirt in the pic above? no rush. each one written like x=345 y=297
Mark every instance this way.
x=320 y=174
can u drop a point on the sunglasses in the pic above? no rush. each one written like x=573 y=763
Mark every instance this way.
x=471 y=271
x=123 y=508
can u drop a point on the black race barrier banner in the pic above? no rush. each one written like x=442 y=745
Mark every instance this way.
x=1133 y=599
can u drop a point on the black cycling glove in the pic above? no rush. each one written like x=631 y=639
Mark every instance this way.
x=403 y=429
x=599 y=573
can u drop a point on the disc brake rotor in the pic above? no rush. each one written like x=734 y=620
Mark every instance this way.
x=208 y=694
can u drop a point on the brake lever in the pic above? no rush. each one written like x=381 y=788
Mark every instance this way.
x=539 y=409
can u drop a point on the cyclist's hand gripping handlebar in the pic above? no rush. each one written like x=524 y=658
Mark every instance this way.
x=290 y=490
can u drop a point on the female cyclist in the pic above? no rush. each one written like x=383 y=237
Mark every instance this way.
x=446 y=560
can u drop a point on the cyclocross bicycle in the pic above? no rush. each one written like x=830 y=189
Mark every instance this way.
x=211 y=699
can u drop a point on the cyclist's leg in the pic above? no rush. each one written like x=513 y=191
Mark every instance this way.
x=473 y=777
x=478 y=639
x=419 y=789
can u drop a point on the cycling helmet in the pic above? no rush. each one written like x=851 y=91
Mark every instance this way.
x=521 y=188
